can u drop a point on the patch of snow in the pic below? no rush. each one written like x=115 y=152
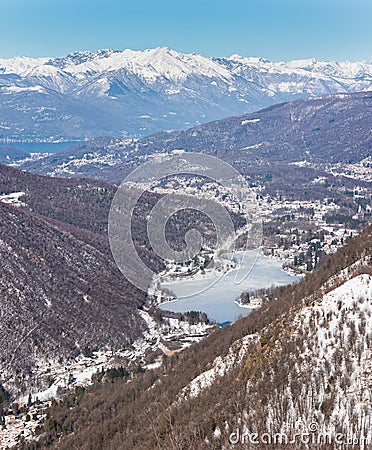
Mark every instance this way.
x=13 y=198
x=245 y=122
x=220 y=366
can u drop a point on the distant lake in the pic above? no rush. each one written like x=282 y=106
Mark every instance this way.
x=218 y=300
x=40 y=147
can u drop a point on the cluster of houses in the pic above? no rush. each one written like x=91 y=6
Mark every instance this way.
x=303 y=232
x=21 y=423
x=28 y=413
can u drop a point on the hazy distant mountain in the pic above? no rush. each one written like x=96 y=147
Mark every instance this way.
x=11 y=154
x=304 y=140
x=88 y=94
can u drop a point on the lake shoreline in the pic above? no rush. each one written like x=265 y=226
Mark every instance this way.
x=219 y=299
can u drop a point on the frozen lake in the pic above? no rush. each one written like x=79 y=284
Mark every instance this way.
x=217 y=301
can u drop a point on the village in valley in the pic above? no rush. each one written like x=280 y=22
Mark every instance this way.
x=298 y=233
x=23 y=418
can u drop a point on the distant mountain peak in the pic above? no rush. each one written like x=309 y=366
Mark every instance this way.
x=80 y=57
x=162 y=49
x=134 y=93
x=252 y=59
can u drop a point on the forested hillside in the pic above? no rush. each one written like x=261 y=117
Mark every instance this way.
x=60 y=290
x=302 y=359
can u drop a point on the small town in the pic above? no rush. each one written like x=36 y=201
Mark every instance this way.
x=23 y=419
x=297 y=232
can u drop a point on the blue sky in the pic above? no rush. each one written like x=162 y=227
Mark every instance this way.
x=274 y=29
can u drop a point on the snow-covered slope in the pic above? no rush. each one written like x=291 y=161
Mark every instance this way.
x=86 y=94
x=313 y=370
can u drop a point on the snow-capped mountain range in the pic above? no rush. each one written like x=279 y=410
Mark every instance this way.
x=87 y=94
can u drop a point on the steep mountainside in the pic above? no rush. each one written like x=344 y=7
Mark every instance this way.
x=82 y=203
x=296 y=369
x=88 y=94
x=60 y=290
x=58 y=294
